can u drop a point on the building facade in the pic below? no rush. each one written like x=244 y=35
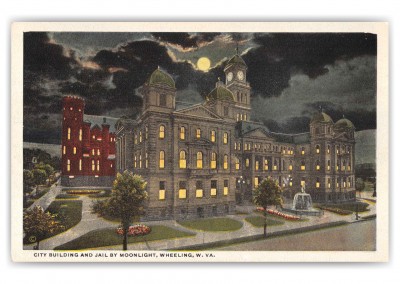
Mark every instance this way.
x=88 y=146
x=200 y=160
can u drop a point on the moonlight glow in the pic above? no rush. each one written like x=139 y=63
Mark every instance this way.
x=203 y=64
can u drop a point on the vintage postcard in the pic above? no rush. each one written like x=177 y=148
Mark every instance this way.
x=200 y=142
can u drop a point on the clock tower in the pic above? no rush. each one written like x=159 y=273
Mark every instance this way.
x=235 y=74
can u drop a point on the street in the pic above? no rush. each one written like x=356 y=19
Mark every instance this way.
x=358 y=236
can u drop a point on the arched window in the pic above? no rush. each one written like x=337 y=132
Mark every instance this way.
x=198 y=133
x=317 y=184
x=98 y=165
x=199 y=160
x=212 y=136
x=344 y=165
x=140 y=161
x=241 y=116
x=317 y=149
x=275 y=165
x=257 y=165
x=247 y=162
x=329 y=165
x=237 y=163
x=303 y=166
x=290 y=166
x=140 y=137
x=161 y=133
x=146 y=162
x=182 y=133
x=349 y=166
x=329 y=182
x=74 y=149
x=162 y=160
x=146 y=132
x=134 y=161
x=135 y=139
x=225 y=138
x=303 y=151
x=266 y=165
x=69 y=133
x=245 y=117
x=328 y=150
x=182 y=160
x=93 y=166
x=213 y=161
x=225 y=162
x=317 y=166
x=68 y=165
x=98 y=152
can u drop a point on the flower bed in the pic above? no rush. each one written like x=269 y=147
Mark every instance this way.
x=135 y=230
x=280 y=214
x=336 y=210
x=83 y=191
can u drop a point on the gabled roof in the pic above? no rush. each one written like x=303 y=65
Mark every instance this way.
x=99 y=120
x=200 y=111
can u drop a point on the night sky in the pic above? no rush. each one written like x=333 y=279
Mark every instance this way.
x=292 y=75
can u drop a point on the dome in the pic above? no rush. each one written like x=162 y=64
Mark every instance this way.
x=236 y=60
x=321 y=117
x=159 y=77
x=344 y=123
x=221 y=93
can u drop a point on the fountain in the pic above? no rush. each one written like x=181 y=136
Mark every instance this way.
x=302 y=204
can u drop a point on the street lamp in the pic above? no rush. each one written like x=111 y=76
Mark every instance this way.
x=240 y=182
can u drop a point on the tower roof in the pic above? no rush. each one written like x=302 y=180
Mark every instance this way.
x=221 y=93
x=343 y=124
x=159 y=77
x=321 y=117
x=236 y=59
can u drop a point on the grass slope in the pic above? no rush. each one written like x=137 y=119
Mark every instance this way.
x=212 y=224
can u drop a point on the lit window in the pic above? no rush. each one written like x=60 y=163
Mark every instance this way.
x=328 y=150
x=290 y=166
x=162 y=160
x=237 y=117
x=198 y=133
x=135 y=139
x=329 y=165
x=303 y=166
x=182 y=133
x=140 y=161
x=80 y=134
x=317 y=149
x=212 y=138
x=303 y=182
x=239 y=146
x=68 y=165
x=146 y=162
x=257 y=165
x=317 y=166
x=237 y=163
x=98 y=165
x=92 y=152
x=317 y=184
x=69 y=134
x=302 y=151
x=199 y=189
x=182 y=160
x=161 y=192
x=275 y=165
x=74 y=150
x=255 y=181
x=213 y=161
x=93 y=137
x=225 y=138
x=80 y=164
x=93 y=166
x=213 y=191
x=329 y=183
x=247 y=163
x=161 y=133
x=235 y=147
x=225 y=162
x=64 y=150
x=134 y=161
x=98 y=152
x=71 y=108
x=140 y=137
x=245 y=117
x=199 y=160
x=349 y=167
x=290 y=182
x=344 y=166
x=146 y=132
x=241 y=116
x=226 y=187
x=182 y=190
x=266 y=165
x=337 y=183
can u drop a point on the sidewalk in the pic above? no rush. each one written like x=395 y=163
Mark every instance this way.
x=49 y=197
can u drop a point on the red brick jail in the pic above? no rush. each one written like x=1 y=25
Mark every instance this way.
x=88 y=146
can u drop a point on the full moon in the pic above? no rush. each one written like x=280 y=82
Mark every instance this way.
x=203 y=64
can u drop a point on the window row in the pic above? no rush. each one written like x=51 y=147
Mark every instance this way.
x=95 y=165
x=199 y=190
x=144 y=135
x=241 y=117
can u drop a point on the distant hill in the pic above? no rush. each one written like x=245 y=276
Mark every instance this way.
x=365 y=146
x=52 y=149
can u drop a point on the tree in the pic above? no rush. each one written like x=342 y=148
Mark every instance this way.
x=28 y=181
x=39 y=178
x=39 y=224
x=268 y=192
x=47 y=168
x=126 y=201
x=360 y=185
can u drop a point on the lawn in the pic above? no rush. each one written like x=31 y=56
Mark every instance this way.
x=258 y=221
x=352 y=206
x=67 y=196
x=212 y=224
x=109 y=237
x=69 y=213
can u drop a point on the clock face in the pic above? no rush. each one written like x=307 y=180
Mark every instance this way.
x=230 y=76
x=240 y=75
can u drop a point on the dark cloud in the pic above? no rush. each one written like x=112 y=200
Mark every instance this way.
x=280 y=55
x=185 y=40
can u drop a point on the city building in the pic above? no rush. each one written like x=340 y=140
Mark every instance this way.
x=200 y=160
x=87 y=147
